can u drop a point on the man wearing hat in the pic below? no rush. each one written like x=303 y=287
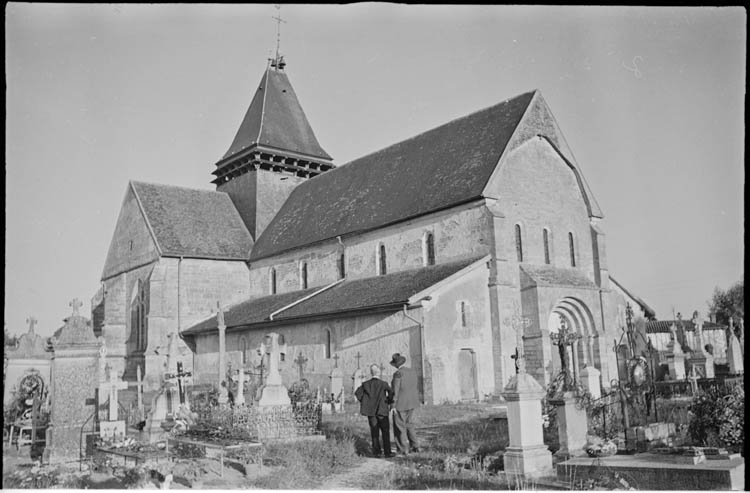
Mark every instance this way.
x=374 y=396
x=405 y=401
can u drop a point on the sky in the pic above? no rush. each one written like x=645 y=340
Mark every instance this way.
x=650 y=100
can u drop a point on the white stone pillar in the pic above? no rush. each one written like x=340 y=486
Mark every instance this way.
x=590 y=380
x=572 y=426
x=526 y=454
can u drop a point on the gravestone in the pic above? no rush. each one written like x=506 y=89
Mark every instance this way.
x=75 y=377
x=675 y=356
x=591 y=381
x=274 y=393
x=734 y=351
x=702 y=361
x=156 y=416
x=526 y=454
x=30 y=353
x=113 y=427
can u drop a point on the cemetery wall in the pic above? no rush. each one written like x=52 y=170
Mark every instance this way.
x=460 y=232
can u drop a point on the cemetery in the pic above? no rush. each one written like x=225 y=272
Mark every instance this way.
x=68 y=424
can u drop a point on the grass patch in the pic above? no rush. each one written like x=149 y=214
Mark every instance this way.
x=306 y=463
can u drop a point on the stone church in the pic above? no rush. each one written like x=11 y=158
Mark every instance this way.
x=453 y=248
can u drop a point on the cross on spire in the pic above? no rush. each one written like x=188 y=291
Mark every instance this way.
x=278 y=62
x=76 y=304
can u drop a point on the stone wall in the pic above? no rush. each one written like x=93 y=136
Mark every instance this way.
x=459 y=233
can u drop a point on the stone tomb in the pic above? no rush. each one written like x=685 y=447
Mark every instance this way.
x=75 y=377
x=650 y=471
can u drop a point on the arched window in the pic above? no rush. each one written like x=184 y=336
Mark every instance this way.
x=382 y=269
x=429 y=249
x=342 y=266
x=303 y=275
x=572 y=250
x=272 y=280
x=138 y=315
x=519 y=245
x=328 y=344
x=545 y=238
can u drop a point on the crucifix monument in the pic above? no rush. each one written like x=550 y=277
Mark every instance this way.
x=274 y=393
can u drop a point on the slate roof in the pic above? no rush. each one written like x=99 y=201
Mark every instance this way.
x=193 y=223
x=275 y=119
x=389 y=291
x=548 y=275
x=655 y=326
x=441 y=168
x=650 y=312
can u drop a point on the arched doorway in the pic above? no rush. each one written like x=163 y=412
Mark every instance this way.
x=577 y=317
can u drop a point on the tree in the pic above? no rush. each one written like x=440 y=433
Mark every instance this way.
x=729 y=303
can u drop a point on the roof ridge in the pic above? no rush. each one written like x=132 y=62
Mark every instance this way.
x=179 y=187
x=145 y=217
x=450 y=122
x=264 y=84
x=408 y=139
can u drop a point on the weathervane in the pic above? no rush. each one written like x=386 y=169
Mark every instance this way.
x=278 y=62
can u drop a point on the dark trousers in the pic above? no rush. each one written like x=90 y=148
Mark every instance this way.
x=380 y=425
x=403 y=430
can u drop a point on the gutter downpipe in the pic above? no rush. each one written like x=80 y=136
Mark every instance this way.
x=297 y=302
x=421 y=344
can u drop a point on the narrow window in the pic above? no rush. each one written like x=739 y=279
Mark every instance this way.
x=272 y=280
x=429 y=249
x=545 y=237
x=572 y=250
x=463 y=314
x=519 y=246
x=342 y=266
x=382 y=260
x=303 y=275
x=243 y=348
x=328 y=344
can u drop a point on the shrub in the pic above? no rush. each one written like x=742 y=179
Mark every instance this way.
x=718 y=418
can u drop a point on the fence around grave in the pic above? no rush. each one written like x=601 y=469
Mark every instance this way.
x=683 y=388
x=275 y=423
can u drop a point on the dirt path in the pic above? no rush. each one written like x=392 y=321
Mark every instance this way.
x=360 y=477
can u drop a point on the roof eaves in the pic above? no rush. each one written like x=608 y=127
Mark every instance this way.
x=417 y=297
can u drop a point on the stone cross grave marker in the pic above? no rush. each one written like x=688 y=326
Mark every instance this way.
x=111 y=387
x=300 y=362
x=274 y=393
x=693 y=381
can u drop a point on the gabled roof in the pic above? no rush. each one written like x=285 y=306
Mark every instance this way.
x=193 y=223
x=656 y=326
x=275 y=119
x=548 y=275
x=382 y=292
x=443 y=167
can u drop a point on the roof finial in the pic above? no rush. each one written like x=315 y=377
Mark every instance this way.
x=278 y=62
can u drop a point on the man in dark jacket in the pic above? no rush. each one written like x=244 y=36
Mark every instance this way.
x=405 y=401
x=374 y=396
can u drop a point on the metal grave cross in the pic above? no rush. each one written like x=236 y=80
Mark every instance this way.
x=519 y=324
x=180 y=376
x=300 y=361
x=359 y=356
x=562 y=339
x=693 y=377
x=336 y=360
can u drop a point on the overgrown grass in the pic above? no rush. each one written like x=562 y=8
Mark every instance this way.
x=305 y=464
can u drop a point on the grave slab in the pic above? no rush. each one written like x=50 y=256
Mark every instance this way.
x=652 y=472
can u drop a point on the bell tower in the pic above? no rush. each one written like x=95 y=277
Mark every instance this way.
x=274 y=150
